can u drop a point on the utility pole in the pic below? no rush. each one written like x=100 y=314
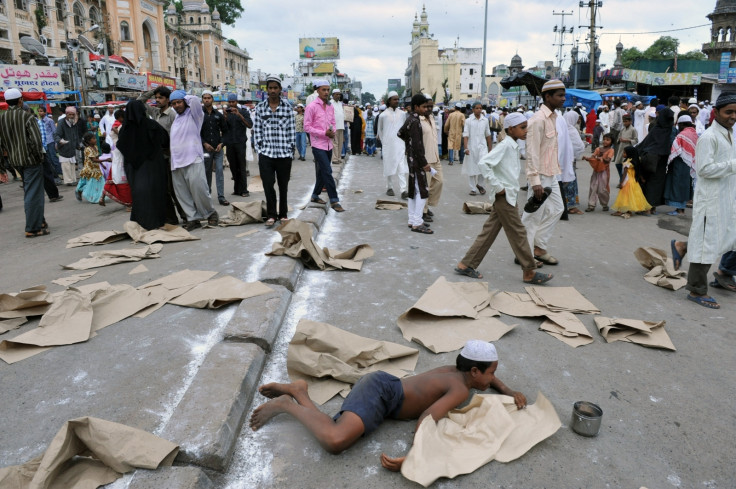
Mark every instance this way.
x=483 y=66
x=561 y=30
x=594 y=5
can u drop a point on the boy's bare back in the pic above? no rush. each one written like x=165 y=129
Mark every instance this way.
x=422 y=391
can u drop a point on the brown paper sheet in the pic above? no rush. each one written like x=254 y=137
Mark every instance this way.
x=661 y=268
x=244 y=213
x=171 y=286
x=168 y=234
x=87 y=453
x=219 y=292
x=296 y=242
x=559 y=299
x=97 y=238
x=391 y=205
x=331 y=359
x=138 y=269
x=477 y=207
x=73 y=279
x=488 y=428
x=11 y=324
x=517 y=305
x=104 y=258
x=33 y=301
x=449 y=314
x=645 y=333
x=567 y=328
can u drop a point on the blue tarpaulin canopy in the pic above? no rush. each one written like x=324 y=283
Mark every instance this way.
x=631 y=97
x=590 y=100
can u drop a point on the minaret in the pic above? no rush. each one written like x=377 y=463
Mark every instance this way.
x=619 y=49
x=723 y=30
x=415 y=29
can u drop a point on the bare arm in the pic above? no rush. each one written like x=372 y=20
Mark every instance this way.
x=519 y=398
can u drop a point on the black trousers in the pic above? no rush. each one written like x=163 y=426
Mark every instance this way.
x=275 y=170
x=49 y=185
x=172 y=203
x=236 y=158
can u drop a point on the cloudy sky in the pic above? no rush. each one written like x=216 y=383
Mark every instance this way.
x=374 y=36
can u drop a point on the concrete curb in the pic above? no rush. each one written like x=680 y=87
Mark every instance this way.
x=207 y=432
x=258 y=320
x=282 y=270
x=171 y=477
x=314 y=215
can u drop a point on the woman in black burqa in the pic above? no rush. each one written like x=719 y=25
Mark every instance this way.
x=142 y=142
x=654 y=151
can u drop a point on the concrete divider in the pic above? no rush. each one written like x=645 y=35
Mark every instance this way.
x=258 y=319
x=171 y=477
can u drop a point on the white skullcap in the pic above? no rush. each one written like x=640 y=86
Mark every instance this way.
x=207 y=92
x=12 y=94
x=706 y=101
x=692 y=100
x=428 y=97
x=435 y=109
x=459 y=105
x=300 y=105
x=110 y=106
x=375 y=109
x=684 y=118
x=392 y=94
x=638 y=102
x=320 y=83
x=579 y=104
x=337 y=90
x=513 y=119
x=383 y=107
x=693 y=105
x=479 y=351
x=520 y=110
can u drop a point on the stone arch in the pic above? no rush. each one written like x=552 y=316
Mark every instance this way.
x=78 y=14
x=152 y=51
x=722 y=36
x=94 y=16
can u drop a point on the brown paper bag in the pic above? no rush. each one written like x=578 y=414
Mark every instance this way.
x=646 y=333
x=87 y=453
x=477 y=207
x=322 y=353
x=244 y=213
x=33 y=301
x=661 y=268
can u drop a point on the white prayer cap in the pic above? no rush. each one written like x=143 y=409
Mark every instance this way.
x=692 y=100
x=435 y=109
x=337 y=90
x=300 y=105
x=383 y=107
x=206 y=92
x=459 y=105
x=392 y=94
x=684 y=118
x=693 y=105
x=513 y=119
x=579 y=104
x=701 y=103
x=12 y=94
x=479 y=351
x=320 y=83
x=97 y=116
x=375 y=109
x=638 y=102
x=428 y=97
x=520 y=110
x=110 y=106
x=706 y=101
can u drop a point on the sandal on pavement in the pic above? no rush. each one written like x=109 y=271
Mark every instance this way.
x=318 y=201
x=538 y=263
x=704 y=300
x=574 y=210
x=676 y=257
x=426 y=225
x=337 y=207
x=42 y=232
x=539 y=278
x=725 y=282
x=468 y=272
x=270 y=222
x=547 y=259
x=224 y=202
x=481 y=190
x=590 y=209
x=473 y=192
x=617 y=213
x=421 y=229
x=189 y=225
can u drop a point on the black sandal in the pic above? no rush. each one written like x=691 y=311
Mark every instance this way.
x=468 y=272
x=421 y=229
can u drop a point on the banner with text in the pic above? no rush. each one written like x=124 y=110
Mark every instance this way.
x=650 y=78
x=154 y=81
x=319 y=48
x=28 y=78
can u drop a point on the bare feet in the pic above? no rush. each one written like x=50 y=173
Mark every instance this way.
x=392 y=464
x=265 y=412
x=274 y=389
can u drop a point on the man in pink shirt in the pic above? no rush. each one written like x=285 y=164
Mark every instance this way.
x=319 y=122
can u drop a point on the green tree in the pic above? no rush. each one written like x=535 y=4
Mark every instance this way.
x=41 y=20
x=367 y=98
x=694 y=54
x=663 y=48
x=233 y=42
x=446 y=95
x=630 y=55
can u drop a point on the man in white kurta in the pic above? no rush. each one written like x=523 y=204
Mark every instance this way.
x=712 y=231
x=605 y=117
x=339 y=138
x=640 y=118
x=477 y=138
x=394 y=149
x=106 y=124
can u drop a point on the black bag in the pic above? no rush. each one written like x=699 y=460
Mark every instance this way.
x=532 y=205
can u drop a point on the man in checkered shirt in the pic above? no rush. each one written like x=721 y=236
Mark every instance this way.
x=274 y=136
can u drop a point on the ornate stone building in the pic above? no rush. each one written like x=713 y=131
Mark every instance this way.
x=723 y=30
x=189 y=47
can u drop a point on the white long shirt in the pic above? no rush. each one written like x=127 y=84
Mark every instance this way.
x=339 y=115
x=394 y=149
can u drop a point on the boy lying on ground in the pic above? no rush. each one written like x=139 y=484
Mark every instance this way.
x=379 y=395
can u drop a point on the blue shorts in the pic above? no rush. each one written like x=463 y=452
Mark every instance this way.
x=374 y=397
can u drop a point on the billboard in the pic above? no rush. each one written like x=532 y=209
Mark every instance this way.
x=319 y=48
x=154 y=81
x=133 y=82
x=649 y=78
x=394 y=84
x=31 y=78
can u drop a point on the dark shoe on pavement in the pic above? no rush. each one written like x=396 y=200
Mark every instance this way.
x=78 y=194
x=224 y=202
x=430 y=213
x=390 y=192
x=245 y=194
x=404 y=195
x=318 y=201
x=189 y=225
x=56 y=199
x=213 y=219
x=427 y=218
x=337 y=207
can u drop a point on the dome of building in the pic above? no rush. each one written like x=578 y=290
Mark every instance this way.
x=171 y=9
x=516 y=60
x=204 y=8
x=424 y=14
x=215 y=14
x=725 y=7
x=416 y=21
x=619 y=46
x=190 y=5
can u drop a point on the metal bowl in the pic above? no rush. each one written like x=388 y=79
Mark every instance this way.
x=586 y=418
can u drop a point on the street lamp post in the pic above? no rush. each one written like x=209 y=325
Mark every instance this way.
x=483 y=66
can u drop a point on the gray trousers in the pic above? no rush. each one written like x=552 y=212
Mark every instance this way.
x=697 y=278
x=190 y=187
x=33 y=197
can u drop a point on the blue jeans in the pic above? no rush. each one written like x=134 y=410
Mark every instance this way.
x=370 y=146
x=301 y=143
x=33 y=197
x=728 y=263
x=215 y=158
x=345 y=142
x=323 y=172
x=51 y=151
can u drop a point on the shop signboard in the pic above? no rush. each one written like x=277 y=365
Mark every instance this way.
x=31 y=78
